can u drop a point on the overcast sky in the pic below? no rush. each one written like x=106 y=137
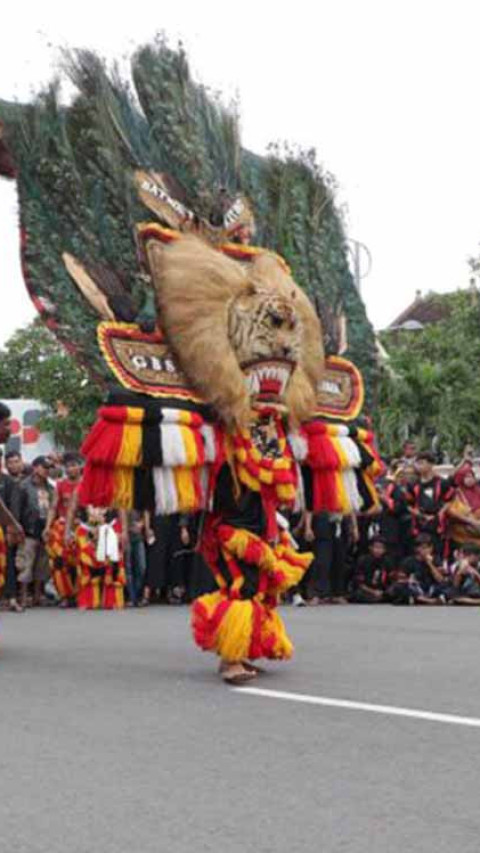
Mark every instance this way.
x=387 y=92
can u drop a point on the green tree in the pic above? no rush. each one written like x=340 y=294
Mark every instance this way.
x=34 y=365
x=432 y=386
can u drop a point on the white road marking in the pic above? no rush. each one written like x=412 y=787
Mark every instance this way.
x=391 y=710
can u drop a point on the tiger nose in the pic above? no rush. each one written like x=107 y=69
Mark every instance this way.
x=286 y=351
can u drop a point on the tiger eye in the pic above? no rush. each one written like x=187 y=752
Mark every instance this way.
x=276 y=320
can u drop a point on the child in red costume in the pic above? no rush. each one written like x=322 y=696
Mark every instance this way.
x=101 y=574
x=60 y=547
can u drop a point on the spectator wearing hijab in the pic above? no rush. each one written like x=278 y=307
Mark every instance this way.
x=462 y=513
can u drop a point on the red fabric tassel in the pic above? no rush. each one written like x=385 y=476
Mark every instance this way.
x=270 y=503
x=102 y=444
x=209 y=547
x=101 y=448
x=109 y=598
x=256 y=650
x=97 y=486
x=253 y=553
x=85 y=598
x=325 y=491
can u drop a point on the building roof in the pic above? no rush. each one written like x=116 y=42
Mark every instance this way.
x=424 y=311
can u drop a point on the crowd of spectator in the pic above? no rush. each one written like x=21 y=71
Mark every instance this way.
x=421 y=546
x=54 y=552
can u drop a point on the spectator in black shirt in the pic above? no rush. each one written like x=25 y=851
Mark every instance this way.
x=36 y=495
x=429 y=583
x=10 y=496
x=395 y=523
x=371 y=575
x=328 y=535
x=15 y=466
x=427 y=499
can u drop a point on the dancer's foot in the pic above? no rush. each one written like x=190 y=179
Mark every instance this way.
x=235 y=673
x=248 y=665
x=252 y=667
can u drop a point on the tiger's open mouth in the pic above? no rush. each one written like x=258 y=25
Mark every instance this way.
x=267 y=379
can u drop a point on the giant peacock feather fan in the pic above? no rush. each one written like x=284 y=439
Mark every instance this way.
x=117 y=155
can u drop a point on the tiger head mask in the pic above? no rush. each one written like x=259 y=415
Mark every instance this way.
x=243 y=334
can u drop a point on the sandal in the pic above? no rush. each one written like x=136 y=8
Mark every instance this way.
x=236 y=674
x=252 y=667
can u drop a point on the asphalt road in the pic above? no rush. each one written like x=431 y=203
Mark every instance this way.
x=116 y=736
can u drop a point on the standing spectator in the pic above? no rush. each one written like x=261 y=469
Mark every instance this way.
x=329 y=535
x=396 y=523
x=467 y=457
x=165 y=537
x=184 y=540
x=409 y=453
x=11 y=531
x=135 y=554
x=59 y=547
x=428 y=496
x=395 y=512
x=57 y=463
x=15 y=466
x=10 y=495
x=36 y=495
x=5 y=423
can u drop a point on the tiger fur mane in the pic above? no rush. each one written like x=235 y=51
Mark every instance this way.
x=217 y=315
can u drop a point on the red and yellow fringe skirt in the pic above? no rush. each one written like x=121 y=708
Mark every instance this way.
x=62 y=560
x=238 y=624
x=100 y=592
x=99 y=586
